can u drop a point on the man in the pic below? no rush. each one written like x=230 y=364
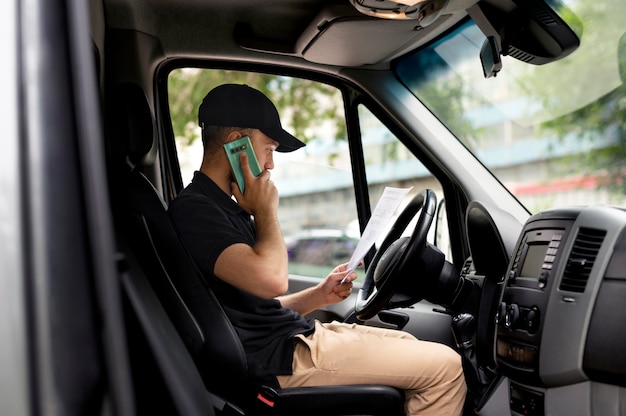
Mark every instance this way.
x=238 y=245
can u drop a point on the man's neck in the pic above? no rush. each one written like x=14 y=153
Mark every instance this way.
x=219 y=175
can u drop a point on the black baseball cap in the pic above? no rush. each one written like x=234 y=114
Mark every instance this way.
x=234 y=105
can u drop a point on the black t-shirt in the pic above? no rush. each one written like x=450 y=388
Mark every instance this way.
x=208 y=222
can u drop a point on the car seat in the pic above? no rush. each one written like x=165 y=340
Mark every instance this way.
x=189 y=302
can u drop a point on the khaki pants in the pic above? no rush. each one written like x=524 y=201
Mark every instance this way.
x=336 y=353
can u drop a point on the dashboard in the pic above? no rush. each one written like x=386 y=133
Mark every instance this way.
x=560 y=333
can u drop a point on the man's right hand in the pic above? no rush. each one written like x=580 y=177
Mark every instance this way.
x=261 y=195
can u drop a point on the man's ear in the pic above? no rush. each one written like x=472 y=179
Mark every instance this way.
x=232 y=136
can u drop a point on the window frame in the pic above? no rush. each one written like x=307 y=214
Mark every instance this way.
x=352 y=96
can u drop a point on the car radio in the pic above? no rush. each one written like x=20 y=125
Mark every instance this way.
x=558 y=324
x=530 y=277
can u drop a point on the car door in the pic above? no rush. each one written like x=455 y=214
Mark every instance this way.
x=62 y=340
x=67 y=296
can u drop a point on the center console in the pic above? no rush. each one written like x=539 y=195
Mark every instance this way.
x=567 y=274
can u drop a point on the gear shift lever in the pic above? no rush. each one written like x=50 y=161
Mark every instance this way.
x=463 y=330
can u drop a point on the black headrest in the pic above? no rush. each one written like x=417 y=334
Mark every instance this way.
x=132 y=125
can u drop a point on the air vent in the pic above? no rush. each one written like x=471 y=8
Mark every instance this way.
x=581 y=259
x=543 y=16
x=520 y=55
x=468 y=267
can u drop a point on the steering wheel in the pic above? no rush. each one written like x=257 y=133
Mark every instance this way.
x=394 y=259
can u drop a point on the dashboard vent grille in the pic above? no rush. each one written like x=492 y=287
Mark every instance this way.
x=468 y=267
x=582 y=259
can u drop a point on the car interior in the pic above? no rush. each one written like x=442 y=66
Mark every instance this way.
x=350 y=45
x=532 y=300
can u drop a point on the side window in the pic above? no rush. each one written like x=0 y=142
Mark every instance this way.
x=317 y=208
x=389 y=163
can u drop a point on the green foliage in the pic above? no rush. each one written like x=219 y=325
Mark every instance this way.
x=448 y=99
x=602 y=120
x=303 y=104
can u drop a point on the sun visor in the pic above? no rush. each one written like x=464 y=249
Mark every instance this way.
x=341 y=36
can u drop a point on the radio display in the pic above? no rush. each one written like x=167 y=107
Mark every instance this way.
x=537 y=253
x=534 y=259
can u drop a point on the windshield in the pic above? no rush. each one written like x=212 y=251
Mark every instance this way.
x=553 y=133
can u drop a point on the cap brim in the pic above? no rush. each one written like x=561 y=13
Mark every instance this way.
x=286 y=142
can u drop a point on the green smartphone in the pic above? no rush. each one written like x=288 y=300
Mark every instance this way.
x=233 y=149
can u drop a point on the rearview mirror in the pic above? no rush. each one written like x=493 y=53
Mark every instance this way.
x=531 y=32
x=490 y=57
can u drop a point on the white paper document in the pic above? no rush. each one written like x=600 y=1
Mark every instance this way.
x=383 y=212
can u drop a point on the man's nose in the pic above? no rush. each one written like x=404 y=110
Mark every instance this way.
x=269 y=162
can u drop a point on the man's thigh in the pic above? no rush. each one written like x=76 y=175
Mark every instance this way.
x=355 y=354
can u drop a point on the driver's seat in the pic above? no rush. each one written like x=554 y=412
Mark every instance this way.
x=192 y=306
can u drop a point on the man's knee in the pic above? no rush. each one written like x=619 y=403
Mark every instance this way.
x=451 y=364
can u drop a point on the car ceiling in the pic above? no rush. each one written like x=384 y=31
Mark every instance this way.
x=305 y=33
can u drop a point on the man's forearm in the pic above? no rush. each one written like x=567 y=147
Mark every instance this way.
x=302 y=302
x=270 y=246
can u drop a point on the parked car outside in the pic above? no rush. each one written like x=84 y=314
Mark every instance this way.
x=315 y=252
